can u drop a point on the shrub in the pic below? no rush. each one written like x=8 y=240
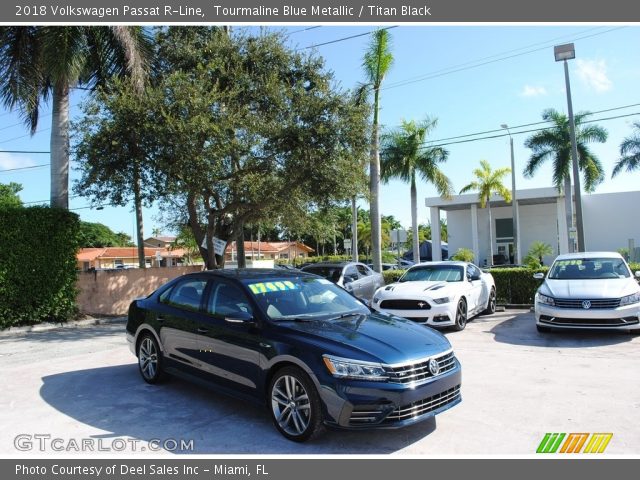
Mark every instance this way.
x=391 y=276
x=516 y=285
x=463 y=255
x=37 y=265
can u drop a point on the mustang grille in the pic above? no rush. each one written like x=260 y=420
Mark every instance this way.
x=427 y=405
x=419 y=371
x=595 y=304
x=405 y=304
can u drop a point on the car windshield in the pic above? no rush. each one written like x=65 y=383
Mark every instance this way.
x=434 y=273
x=302 y=298
x=589 y=269
x=330 y=272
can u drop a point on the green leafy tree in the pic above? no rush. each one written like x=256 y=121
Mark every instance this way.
x=376 y=63
x=99 y=235
x=405 y=156
x=42 y=62
x=629 y=153
x=9 y=195
x=489 y=182
x=463 y=255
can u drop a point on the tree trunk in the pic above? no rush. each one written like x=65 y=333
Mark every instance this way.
x=137 y=200
x=59 y=147
x=242 y=261
x=374 y=189
x=354 y=229
x=414 y=220
x=490 y=262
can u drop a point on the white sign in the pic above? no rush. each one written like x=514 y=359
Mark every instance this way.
x=347 y=243
x=218 y=245
x=398 y=236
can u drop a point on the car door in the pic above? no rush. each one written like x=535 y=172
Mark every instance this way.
x=352 y=286
x=229 y=344
x=367 y=280
x=178 y=316
x=475 y=281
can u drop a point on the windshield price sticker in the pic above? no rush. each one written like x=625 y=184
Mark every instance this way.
x=265 y=287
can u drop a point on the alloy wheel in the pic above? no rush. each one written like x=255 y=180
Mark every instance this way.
x=148 y=359
x=291 y=406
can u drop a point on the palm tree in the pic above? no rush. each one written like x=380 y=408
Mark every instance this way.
x=489 y=182
x=376 y=63
x=554 y=143
x=538 y=250
x=629 y=153
x=42 y=62
x=404 y=155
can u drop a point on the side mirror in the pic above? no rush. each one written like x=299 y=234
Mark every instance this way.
x=538 y=276
x=637 y=273
x=349 y=279
x=239 y=317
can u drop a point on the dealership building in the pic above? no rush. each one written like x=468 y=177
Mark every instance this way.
x=611 y=221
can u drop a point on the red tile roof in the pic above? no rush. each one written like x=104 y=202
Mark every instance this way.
x=270 y=247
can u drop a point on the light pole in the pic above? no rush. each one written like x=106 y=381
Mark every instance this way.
x=514 y=203
x=563 y=53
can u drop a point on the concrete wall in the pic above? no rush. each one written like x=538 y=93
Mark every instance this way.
x=539 y=223
x=111 y=292
x=459 y=230
x=610 y=220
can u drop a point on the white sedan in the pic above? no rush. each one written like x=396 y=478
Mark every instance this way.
x=439 y=294
x=588 y=290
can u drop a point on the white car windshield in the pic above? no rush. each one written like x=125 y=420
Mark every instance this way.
x=589 y=269
x=434 y=273
x=303 y=298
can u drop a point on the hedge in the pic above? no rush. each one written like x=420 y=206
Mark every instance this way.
x=37 y=265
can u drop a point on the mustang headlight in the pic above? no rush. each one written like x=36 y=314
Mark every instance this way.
x=346 y=368
x=630 y=299
x=540 y=298
x=442 y=300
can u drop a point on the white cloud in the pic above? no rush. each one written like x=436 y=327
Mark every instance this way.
x=9 y=161
x=532 y=91
x=593 y=73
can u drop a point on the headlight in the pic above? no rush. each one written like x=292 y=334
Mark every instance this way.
x=376 y=299
x=442 y=300
x=545 y=299
x=345 y=368
x=630 y=299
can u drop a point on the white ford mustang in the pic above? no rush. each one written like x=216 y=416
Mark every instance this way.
x=439 y=294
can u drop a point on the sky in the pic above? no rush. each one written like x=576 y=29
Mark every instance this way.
x=471 y=78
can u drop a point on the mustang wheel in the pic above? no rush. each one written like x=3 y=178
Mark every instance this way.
x=295 y=405
x=461 y=315
x=150 y=359
x=491 y=304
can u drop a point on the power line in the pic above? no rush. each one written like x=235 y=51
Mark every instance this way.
x=24 y=168
x=26 y=135
x=304 y=30
x=473 y=64
x=21 y=123
x=23 y=151
x=345 y=38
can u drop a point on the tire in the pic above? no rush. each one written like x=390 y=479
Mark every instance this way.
x=295 y=405
x=150 y=359
x=491 y=303
x=461 y=315
x=543 y=329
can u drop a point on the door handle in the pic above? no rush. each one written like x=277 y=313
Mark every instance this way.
x=160 y=318
x=202 y=330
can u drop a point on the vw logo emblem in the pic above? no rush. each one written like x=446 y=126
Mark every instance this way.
x=434 y=368
x=421 y=304
x=586 y=304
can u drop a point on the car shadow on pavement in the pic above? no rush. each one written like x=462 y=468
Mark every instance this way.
x=115 y=399
x=521 y=330
x=67 y=334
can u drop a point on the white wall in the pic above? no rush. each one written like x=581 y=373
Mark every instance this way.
x=610 y=220
x=539 y=223
x=459 y=230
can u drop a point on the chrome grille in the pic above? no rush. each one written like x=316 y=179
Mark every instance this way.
x=416 y=372
x=364 y=416
x=401 y=304
x=595 y=304
x=422 y=407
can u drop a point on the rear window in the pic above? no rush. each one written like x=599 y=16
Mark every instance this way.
x=330 y=273
x=589 y=269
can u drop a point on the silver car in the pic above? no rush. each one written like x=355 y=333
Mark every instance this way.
x=355 y=277
x=588 y=290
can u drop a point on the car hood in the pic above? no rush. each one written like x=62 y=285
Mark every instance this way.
x=419 y=289
x=376 y=337
x=601 y=288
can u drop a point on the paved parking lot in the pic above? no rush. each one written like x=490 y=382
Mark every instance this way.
x=75 y=384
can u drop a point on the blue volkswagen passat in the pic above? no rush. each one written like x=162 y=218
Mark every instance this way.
x=297 y=343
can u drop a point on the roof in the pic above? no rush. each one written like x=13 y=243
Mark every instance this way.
x=443 y=262
x=162 y=238
x=530 y=196
x=270 y=247
x=571 y=256
x=90 y=254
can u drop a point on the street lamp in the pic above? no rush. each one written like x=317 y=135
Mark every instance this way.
x=514 y=203
x=563 y=53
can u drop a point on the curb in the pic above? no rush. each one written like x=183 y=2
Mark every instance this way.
x=44 y=327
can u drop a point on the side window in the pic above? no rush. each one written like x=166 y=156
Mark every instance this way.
x=471 y=271
x=350 y=271
x=226 y=299
x=363 y=271
x=187 y=294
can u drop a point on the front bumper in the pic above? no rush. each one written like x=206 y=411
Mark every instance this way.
x=621 y=318
x=362 y=404
x=131 y=342
x=435 y=316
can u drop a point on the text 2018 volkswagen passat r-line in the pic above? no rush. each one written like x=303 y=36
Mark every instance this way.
x=297 y=343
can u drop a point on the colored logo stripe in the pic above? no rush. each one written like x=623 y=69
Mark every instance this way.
x=574 y=442
x=550 y=443
x=598 y=442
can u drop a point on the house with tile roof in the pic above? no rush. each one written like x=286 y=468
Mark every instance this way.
x=269 y=251
x=127 y=257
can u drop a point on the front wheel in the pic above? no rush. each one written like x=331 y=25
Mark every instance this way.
x=491 y=304
x=461 y=315
x=150 y=359
x=295 y=404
